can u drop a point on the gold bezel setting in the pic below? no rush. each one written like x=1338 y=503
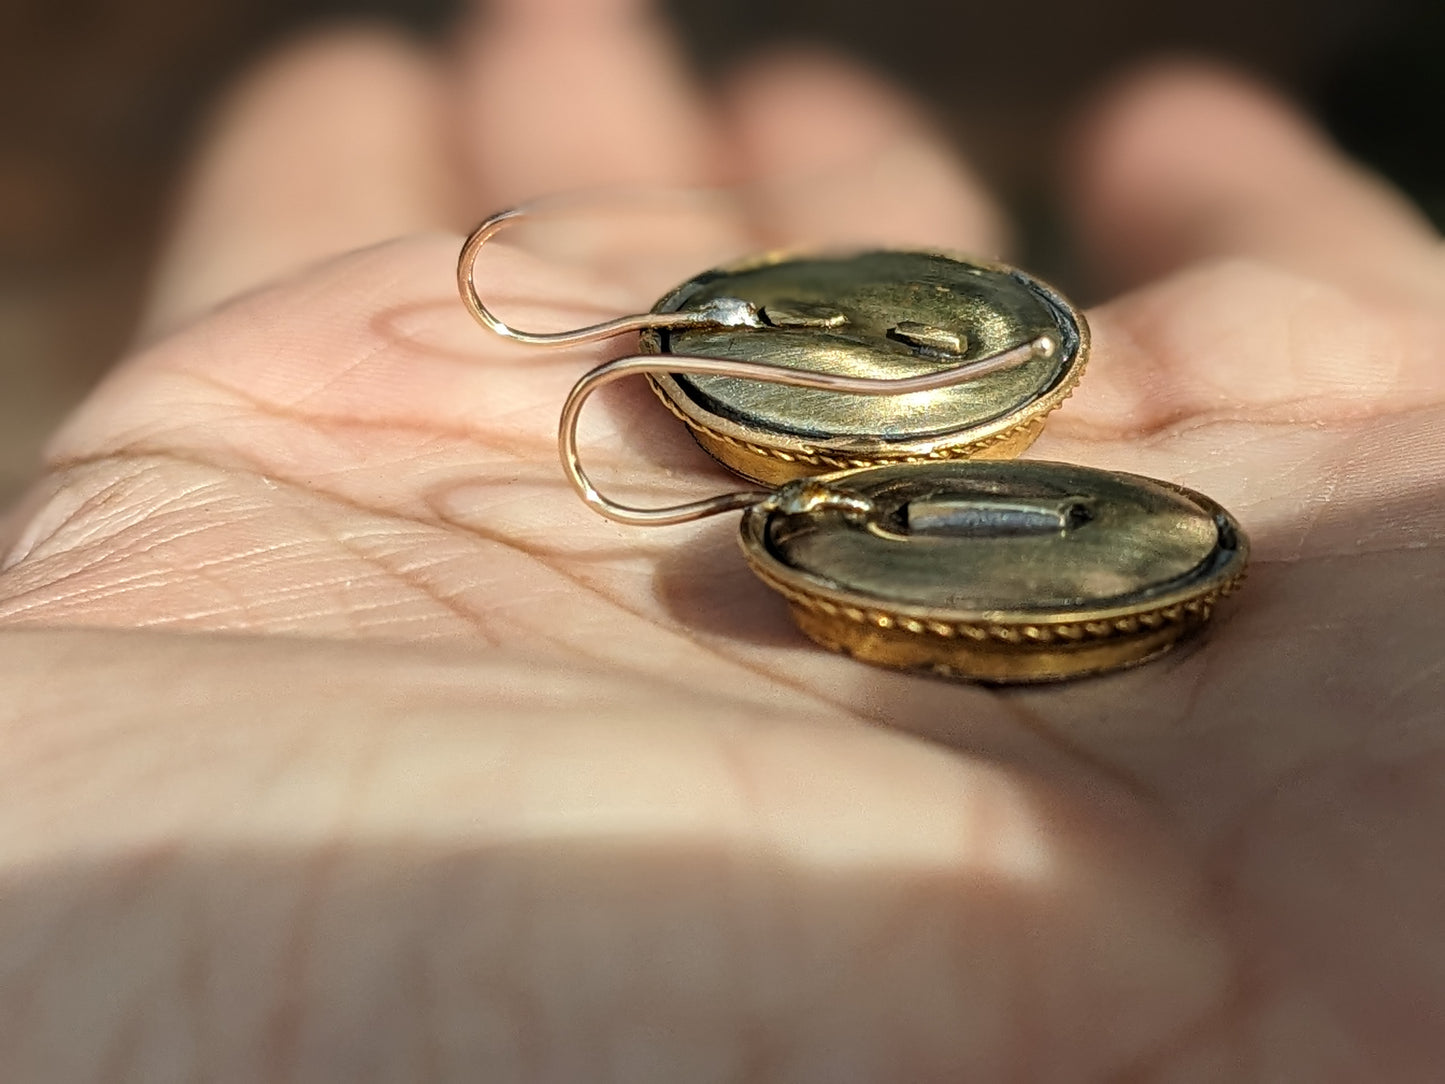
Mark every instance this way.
x=1004 y=647
x=772 y=457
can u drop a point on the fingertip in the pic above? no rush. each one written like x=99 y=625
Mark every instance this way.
x=348 y=79
x=1187 y=159
x=807 y=104
x=1173 y=116
x=852 y=157
x=331 y=143
x=578 y=94
x=562 y=12
x=1146 y=148
x=321 y=54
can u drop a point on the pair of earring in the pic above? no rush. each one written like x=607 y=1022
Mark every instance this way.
x=882 y=397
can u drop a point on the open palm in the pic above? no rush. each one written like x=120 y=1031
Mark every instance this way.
x=342 y=742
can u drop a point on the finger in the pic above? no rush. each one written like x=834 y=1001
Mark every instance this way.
x=574 y=94
x=842 y=157
x=1184 y=163
x=336 y=143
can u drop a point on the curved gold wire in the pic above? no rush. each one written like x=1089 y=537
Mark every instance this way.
x=611 y=371
x=720 y=312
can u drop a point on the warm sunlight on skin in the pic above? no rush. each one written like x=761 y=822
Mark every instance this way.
x=341 y=742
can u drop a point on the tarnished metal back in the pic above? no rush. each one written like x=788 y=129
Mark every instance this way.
x=875 y=314
x=1017 y=571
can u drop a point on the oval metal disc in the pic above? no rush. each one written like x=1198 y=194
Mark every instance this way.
x=996 y=571
x=880 y=314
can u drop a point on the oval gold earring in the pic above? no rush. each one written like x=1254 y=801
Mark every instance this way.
x=877 y=314
x=1003 y=572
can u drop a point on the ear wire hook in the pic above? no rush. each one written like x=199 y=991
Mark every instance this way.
x=720 y=312
x=612 y=371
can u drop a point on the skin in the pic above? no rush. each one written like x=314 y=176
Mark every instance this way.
x=341 y=742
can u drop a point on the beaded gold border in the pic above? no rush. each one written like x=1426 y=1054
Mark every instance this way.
x=816 y=457
x=1018 y=634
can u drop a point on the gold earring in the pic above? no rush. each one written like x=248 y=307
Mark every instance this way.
x=880 y=314
x=1012 y=571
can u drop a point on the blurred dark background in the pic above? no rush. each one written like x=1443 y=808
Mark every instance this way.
x=101 y=97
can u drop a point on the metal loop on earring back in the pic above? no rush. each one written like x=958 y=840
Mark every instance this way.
x=723 y=312
x=612 y=371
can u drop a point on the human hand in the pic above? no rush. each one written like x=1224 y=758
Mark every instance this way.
x=447 y=778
